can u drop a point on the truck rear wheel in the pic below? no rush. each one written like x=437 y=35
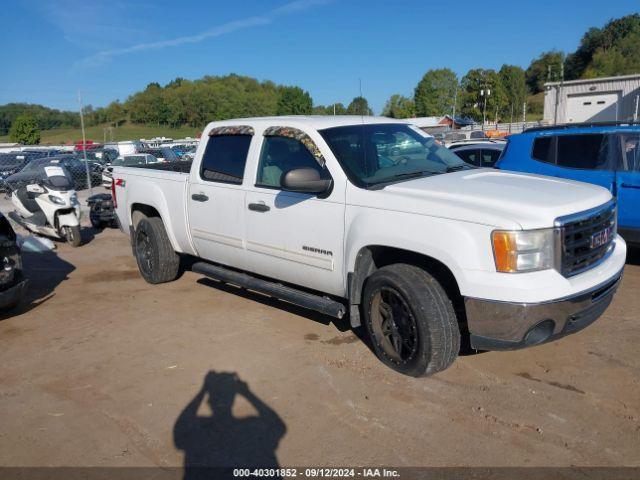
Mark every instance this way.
x=157 y=261
x=410 y=320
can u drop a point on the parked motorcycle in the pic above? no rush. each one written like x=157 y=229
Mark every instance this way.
x=48 y=204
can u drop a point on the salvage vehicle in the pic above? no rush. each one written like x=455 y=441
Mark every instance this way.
x=46 y=202
x=419 y=248
x=127 y=161
x=603 y=154
x=13 y=284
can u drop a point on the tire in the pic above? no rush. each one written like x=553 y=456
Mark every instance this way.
x=157 y=261
x=72 y=236
x=410 y=320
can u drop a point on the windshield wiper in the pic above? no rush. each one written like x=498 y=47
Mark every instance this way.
x=414 y=174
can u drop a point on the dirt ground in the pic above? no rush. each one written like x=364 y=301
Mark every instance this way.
x=99 y=368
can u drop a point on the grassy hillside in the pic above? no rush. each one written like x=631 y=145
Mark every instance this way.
x=127 y=131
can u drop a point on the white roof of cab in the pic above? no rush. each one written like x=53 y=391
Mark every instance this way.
x=317 y=122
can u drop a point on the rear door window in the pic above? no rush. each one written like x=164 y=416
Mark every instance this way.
x=587 y=152
x=224 y=158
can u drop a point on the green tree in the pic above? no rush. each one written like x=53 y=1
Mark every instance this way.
x=512 y=79
x=435 y=93
x=24 y=130
x=606 y=51
x=540 y=68
x=399 y=106
x=294 y=101
x=359 y=106
x=482 y=92
x=622 y=59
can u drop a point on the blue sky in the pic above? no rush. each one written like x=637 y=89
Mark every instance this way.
x=110 y=49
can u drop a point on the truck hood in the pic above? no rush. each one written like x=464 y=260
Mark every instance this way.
x=491 y=197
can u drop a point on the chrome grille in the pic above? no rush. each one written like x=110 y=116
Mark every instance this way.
x=578 y=250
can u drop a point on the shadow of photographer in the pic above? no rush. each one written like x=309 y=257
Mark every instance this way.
x=221 y=439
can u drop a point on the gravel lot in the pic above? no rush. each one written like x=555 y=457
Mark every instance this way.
x=101 y=369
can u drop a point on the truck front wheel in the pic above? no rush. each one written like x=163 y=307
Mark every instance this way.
x=410 y=320
x=157 y=261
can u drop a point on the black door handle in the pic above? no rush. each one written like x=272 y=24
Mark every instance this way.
x=199 y=197
x=629 y=185
x=259 y=207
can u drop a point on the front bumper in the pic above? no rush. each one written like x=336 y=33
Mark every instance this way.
x=497 y=325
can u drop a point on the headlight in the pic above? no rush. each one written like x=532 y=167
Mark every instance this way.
x=56 y=200
x=523 y=250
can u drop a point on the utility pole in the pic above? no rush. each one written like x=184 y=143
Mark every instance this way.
x=635 y=114
x=511 y=120
x=484 y=94
x=558 y=90
x=84 y=145
x=524 y=113
x=453 y=115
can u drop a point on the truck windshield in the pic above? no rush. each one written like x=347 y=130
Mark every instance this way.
x=375 y=154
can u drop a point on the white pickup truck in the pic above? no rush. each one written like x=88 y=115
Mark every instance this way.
x=371 y=217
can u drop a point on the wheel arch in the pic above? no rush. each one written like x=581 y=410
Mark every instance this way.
x=139 y=210
x=142 y=210
x=373 y=257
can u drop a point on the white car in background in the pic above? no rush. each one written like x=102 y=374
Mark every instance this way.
x=133 y=160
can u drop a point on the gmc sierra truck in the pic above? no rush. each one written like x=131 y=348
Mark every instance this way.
x=369 y=217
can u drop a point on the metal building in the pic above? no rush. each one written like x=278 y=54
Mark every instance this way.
x=604 y=99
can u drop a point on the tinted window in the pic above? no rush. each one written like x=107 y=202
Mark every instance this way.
x=469 y=156
x=489 y=157
x=582 y=151
x=281 y=154
x=225 y=157
x=631 y=151
x=542 y=149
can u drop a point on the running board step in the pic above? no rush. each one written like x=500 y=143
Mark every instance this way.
x=288 y=294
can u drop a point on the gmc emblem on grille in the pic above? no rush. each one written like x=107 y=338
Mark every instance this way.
x=600 y=238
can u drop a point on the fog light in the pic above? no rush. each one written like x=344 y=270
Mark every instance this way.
x=540 y=333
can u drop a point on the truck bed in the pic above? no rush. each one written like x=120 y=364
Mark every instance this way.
x=163 y=186
x=180 y=167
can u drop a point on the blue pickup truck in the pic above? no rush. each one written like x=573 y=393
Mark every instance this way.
x=606 y=155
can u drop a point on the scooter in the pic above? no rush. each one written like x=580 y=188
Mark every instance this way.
x=49 y=206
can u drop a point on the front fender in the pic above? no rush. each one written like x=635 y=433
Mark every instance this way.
x=460 y=246
x=68 y=220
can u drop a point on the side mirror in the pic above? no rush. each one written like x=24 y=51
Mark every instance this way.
x=305 y=180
